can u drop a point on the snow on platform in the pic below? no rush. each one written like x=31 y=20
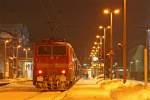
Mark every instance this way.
x=131 y=90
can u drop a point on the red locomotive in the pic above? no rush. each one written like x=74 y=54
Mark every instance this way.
x=55 y=64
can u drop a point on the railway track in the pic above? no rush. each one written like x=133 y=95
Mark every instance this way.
x=48 y=95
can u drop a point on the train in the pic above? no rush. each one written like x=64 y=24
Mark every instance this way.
x=55 y=66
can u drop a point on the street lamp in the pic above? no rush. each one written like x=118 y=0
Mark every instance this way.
x=100 y=50
x=19 y=46
x=104 y=37
x=99 y=43
x=119 y=47
x=124 y=41
x=26 y=57
x=16 y=65
x=95 y=43
x=93 y=47
x=26 y=51
x=5 y=59
x=26 y=54
x=130 y=69
x=97 y=36
x=107 y=11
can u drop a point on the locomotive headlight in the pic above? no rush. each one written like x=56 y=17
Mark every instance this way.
x=63 y=71
x=40 y=71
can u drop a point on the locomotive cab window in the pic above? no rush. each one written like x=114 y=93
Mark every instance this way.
x=44 y=50
x=59 y=50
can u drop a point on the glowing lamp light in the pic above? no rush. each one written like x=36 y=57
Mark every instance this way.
x=63 y=71
x=40 y=72
x=95 y=43
x=97 y=36
x=116 y=11
x=84 y=64
x=106 y=11
x=6 y=41
x=100 y=27
x=108 y=27
x=95 y=58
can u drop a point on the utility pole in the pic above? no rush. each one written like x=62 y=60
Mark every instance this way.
x=145 y=67
x=111 y=46
x=124 y=45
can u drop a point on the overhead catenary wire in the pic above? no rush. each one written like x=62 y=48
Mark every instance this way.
x=47 y=16
x=58 y=17
x=54 y=24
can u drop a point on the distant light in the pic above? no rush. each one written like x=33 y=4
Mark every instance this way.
x=97 y=36
x=95 y=43
x=107 y=54
x=117 y=11
x=136 y=61
x=108 y=27
x=93 y=50
x=63 y=71
x=84 y=64
x=96 y=50
x=95 y=58
x=101 y=43
x=40 y=72
x=100 y=27
x=24 y=49
x=102 y=65
x=103 y=37
x=115 y=63
x=94 y=47
x=119 y=44
x=131 y=62
x=6 y=41
x=18 y=46
x=11 y=58
x=29 y=49
x=106 y=11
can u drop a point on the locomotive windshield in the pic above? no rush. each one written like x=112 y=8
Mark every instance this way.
x=44 y=50
x=59 y=50
x=52 y=50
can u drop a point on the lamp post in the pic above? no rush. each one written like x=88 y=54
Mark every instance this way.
x=107 y=11
x=124 y=44
x=99 y=48
x=26 y=52
x=17 y=59
x=104 y=49
x=119 y=47
x=26 y=57
x=19 y=46
x=130 y=69
x=5 y=59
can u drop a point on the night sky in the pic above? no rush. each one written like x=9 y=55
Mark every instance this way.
x=77 y=20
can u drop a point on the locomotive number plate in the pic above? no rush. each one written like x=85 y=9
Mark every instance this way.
x=40 y=78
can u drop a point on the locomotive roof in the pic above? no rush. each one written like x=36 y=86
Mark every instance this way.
x=45 y=42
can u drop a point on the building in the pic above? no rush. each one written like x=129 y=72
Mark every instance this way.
x=14 y=61
x=136 y=67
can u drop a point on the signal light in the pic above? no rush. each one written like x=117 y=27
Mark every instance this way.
x=40 y=72
x=63 y=71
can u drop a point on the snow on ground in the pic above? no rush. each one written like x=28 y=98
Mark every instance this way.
x=86 y=90
x=131 y=90
x=83 y=89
